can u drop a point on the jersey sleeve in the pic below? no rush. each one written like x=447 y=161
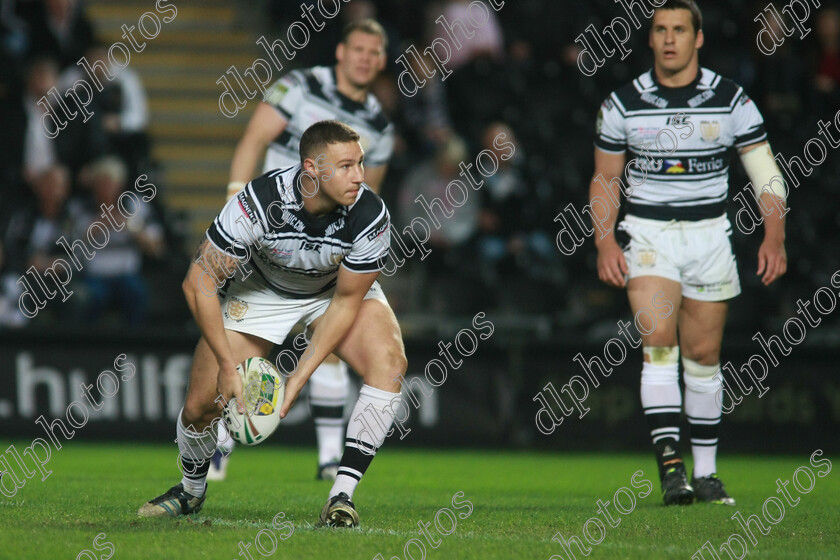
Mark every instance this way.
x=240 y=224
x=286 y=94
x=611 y=135
x=370 y=247
x=380 y=153
x=747 y=122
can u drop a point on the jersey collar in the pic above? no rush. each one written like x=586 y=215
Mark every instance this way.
x=346 y=101
x=693 y=85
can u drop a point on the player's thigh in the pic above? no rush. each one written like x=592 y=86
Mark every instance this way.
x=654 y=293
x=200 y=406
x=373 y=346
x=701 y=329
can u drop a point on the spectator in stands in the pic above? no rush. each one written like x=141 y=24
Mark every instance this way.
x=13 y=49
x=30 y=241
x=487 y=41
x=827 y=59
x=446 y=277
x=58 y=29
x=114 y=276
x=781 y=81
x=75 y=146
x=39 y=151
x=121 y=105
x=426 y=113
x=509 y=240
x=429 y=180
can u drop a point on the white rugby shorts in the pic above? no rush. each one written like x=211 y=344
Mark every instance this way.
x=251 y=307
x=697 y=254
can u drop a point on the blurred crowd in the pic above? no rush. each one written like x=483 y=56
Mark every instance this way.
x=56 y=187
x=517 y=76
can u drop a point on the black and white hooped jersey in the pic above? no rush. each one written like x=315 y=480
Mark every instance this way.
x=304 y=97
x=292 y=251
x=680 y=139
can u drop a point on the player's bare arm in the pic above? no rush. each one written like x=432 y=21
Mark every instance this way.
x=199 y=289
x=761 y=168
x=350 y=291
x=265 y=125
x=611 y=264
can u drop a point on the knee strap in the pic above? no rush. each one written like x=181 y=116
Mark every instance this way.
x=661 y=366
x=700 y=378
x=662 y=355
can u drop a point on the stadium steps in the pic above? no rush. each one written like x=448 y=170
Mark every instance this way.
x=191 y=139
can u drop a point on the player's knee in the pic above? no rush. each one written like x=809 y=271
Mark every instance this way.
x=387 y=369
x=198 y=412
x=395 y=362
x=702 y=352
x=701 y=378
x=661 y=337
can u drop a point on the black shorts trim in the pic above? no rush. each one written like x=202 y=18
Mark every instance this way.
x=687 y=213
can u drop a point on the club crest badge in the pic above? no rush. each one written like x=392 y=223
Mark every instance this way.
x=236 y=309
x=646 y=258
x=710 y=131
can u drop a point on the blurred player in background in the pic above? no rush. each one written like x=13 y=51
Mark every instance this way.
x=679 y=234
x=329 y=285
x=290 y=106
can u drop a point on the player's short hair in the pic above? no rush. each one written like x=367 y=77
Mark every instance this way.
x=317 y=137
x=690 y=5
x=369 y=26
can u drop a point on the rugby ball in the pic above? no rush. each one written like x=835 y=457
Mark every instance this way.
x=263 y=390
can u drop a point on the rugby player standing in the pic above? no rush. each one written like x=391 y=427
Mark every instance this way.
x=678 y=232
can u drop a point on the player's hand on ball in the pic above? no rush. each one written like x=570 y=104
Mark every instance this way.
x=229 y=385
x=611 y=264
x=772 y=261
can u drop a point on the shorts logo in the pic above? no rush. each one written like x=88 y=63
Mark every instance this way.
x=709 y=131
x=646 y=258
x=236 y=309
x=713 y=288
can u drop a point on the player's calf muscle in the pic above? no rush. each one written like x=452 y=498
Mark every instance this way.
x=199 y=406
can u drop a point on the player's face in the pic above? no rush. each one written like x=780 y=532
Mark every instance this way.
x=361 y=58
x=673 y=41
x=341 y=172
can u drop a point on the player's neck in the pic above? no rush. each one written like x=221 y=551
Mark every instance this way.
x=680 y=78
x=319 y=204
x=347 y=89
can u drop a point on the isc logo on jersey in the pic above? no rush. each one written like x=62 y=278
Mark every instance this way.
x=674 y=166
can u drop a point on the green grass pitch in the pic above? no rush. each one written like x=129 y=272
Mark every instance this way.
x=520 y=501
